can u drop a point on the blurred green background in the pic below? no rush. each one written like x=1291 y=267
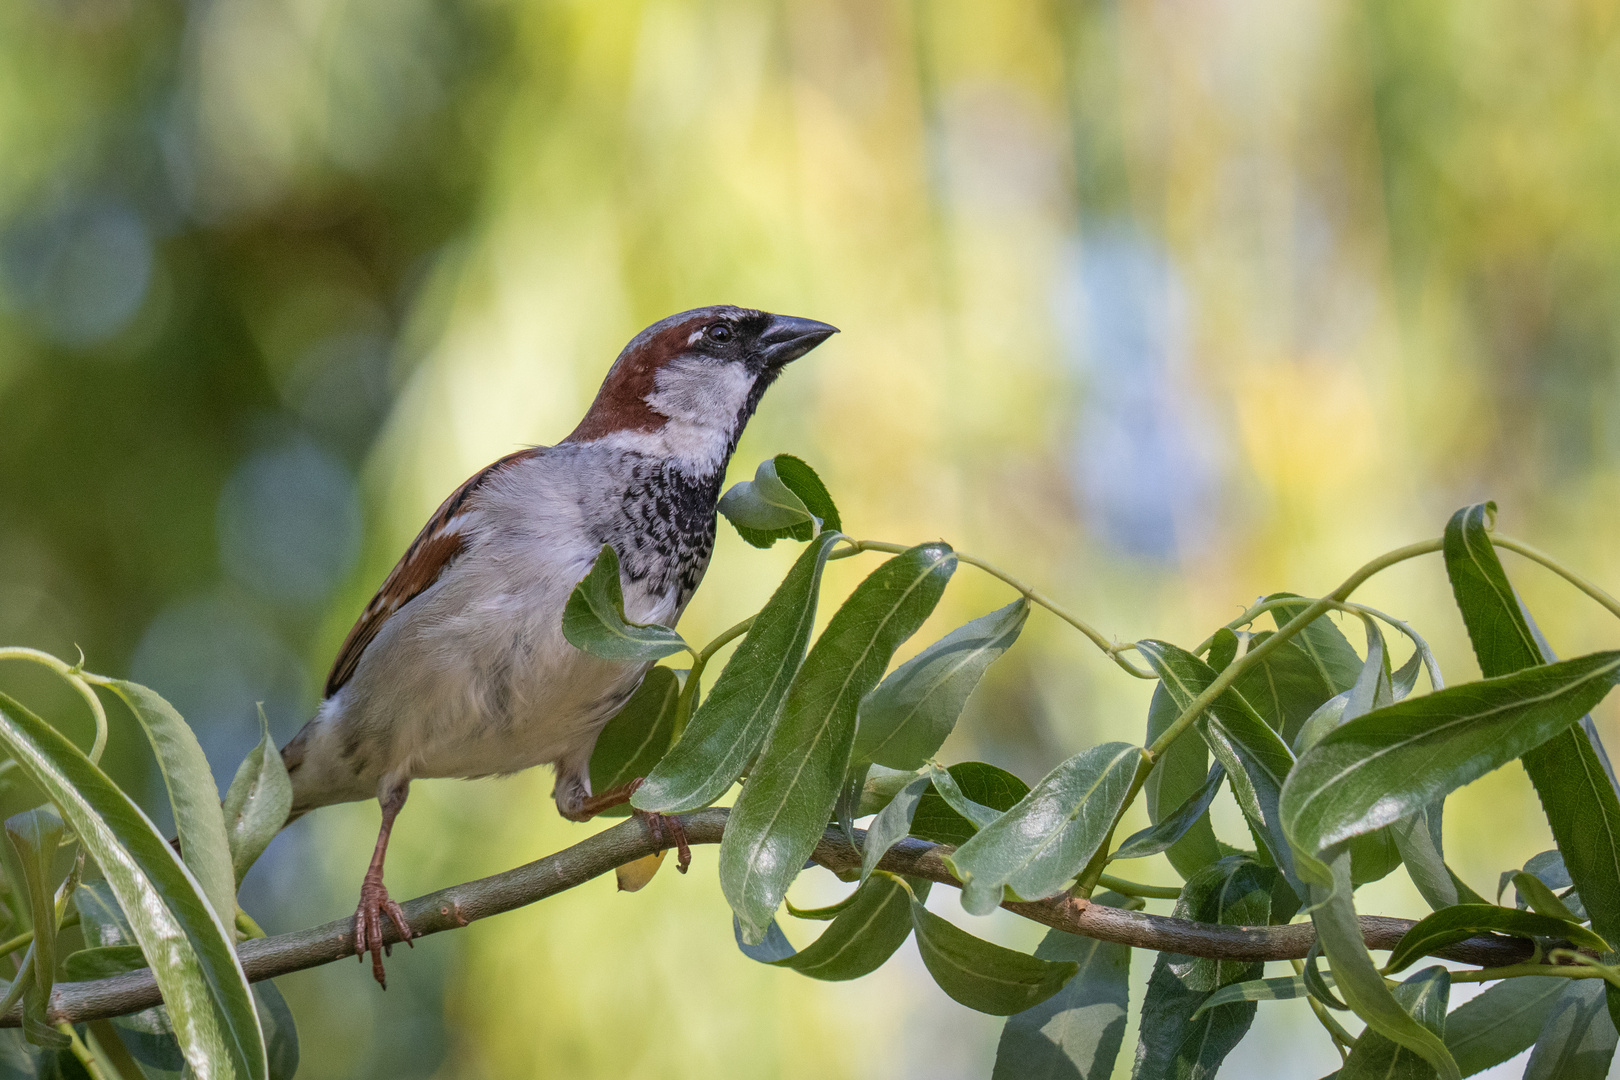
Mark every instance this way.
x=1159 y=305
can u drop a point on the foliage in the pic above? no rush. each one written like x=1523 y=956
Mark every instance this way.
x=1340 y=767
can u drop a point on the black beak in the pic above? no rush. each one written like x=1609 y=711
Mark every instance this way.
x=787 y=338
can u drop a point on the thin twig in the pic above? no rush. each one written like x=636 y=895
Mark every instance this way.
x=632 y=839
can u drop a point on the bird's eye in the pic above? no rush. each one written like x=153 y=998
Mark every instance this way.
x=719 y=332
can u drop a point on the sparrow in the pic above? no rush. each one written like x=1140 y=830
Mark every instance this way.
x=458 y=666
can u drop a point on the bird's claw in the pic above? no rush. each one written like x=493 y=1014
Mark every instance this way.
x=368 y=926
x=665 y=827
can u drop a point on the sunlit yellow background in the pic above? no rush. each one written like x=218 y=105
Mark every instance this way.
x=1159 y=305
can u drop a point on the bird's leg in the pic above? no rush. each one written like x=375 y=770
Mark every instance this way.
x=374 y=899
x=660 y=824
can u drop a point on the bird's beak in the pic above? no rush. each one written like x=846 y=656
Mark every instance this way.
x=787 y=338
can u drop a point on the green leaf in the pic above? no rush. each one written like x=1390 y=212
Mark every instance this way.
x=976 y=814
x=1577 y=1040
x=199 y=821
x=905 y=720
x=1338 y=932
x=1178 y=776
x=1501 y=1022
x=1051 y=834
x=280 y=1030
x=1453 y=924
x=1336 y=663
x=1234 y=892
x=986 y=786
x=256 y=804
x=1391 y=763
x=638 y=736
x=195 y=964
x=103 y=962
x=1286 y=686
x=1256 y=759
x=1076 y=1033
x=1156 y=838
x=892 y=824
x=1374 y=1057
x=1282 y=988
x=1541 y=899
x=822 y=914
x=1180 y=1037
x=730 y=725
x=34 y=836
x=1418 y=839
x=786 y=499
x=862 y=936
x=594 y=620
x=983 y=976
x=1577 y=794
x=791 y=790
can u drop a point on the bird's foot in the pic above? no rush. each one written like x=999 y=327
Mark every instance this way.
x=368 y=925
x=665 y=828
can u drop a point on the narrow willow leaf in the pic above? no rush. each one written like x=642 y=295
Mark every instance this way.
x=881 y=786
x=989 y=791
x=1374 y=1057
x=764 y=509
x=1568 y=768
x=280 y=1030
x=1234 y=892
x=1387 y=765
x=1256 y=759
x=727 y=730
x=34 y=837
x=1156 y=838
x=1179 y=774
x=1327 y=717
x=1542 y=900
x=1285 y=687
x=1051 y=834
x=1179 y=1037
x=1453 y=924
x=638 y=735
x=594 y=619
x=786 y=499
x=1371 y=690
x=892 y=824
x=103 y=961
x=1577 y=1040
x=256 y=803
x=195 y=965
x=790 y=793
x=772 y=947
x=861 y=937
x=1418 y=840
x=1357 y=978
x=1076 y=1033
x=905 y=720
x=1501 y=1022
x=822 y=914
x=1282 y=988
x=1549 y=869
x=981 y=975
x=1336 y=663
x=975 y=813
x=205 y=848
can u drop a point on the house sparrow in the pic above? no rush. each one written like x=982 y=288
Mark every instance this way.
x=458 y=666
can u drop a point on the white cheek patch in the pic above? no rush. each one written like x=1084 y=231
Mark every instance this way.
x=701 y=398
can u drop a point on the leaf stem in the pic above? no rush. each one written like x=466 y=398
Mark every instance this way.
x=1110 y=649
x=700 y=660
x=1575 y=579
x=1342 y=1039
x=1132 y=888
x=77 y=678
x=1513 y=971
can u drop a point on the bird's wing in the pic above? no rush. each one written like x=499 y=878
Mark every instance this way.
x=425 y=561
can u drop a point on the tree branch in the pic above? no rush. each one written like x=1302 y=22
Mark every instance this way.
x=455 y=907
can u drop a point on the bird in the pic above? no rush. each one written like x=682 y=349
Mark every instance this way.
x=458 y=666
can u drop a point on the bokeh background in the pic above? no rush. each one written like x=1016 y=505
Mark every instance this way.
x=1161 y=305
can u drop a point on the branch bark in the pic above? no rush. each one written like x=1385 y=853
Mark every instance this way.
x=455 y=907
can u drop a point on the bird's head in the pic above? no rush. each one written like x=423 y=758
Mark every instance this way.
x=685 y=386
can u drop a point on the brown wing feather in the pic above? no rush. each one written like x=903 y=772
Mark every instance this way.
x=429 y=555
